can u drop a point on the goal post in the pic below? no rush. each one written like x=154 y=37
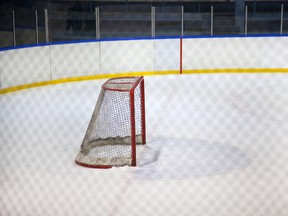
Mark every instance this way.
x=117 y=125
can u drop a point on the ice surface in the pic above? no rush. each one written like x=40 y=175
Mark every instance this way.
x=216 y=145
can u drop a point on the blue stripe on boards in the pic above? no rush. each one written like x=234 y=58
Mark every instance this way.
x=138 y=38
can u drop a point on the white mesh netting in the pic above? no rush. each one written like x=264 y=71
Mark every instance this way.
x=108 y=140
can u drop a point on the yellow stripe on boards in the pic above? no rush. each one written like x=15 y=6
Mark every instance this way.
x=236 y=70
x=143 y=73
x=83 y=78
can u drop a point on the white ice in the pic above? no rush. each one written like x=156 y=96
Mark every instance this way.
x=217 y=144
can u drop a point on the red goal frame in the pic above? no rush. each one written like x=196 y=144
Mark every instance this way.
x=108 y=86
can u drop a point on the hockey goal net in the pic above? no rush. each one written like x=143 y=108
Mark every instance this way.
x=116 y=126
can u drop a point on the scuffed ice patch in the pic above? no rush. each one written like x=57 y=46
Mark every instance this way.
x=180 y=159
